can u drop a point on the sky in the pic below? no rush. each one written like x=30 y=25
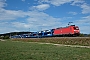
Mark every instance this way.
x=36 y=15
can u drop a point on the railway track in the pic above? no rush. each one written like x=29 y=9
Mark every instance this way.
x=51 y=38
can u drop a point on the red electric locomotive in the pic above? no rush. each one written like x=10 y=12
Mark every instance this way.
x=71 y=30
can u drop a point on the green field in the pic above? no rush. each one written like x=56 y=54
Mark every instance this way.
x=17 y=50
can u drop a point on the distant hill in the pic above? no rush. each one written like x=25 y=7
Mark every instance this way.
x=14 y=33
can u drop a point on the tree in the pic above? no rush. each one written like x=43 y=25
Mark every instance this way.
x=6 y=37
x=88 y=35
x=81 y=35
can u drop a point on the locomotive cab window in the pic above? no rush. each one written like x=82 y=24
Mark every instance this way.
x=76 y=28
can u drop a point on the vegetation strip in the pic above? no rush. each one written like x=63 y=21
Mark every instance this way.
x=82 y=41
x=78 y=46
x=2 y=40
x=67 y=45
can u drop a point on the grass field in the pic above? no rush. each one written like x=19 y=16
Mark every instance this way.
x=13 y=50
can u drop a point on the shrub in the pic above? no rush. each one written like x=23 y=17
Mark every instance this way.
x=6 y=37
x=81 y=35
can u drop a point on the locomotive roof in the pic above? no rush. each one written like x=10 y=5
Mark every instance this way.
x=64 y=27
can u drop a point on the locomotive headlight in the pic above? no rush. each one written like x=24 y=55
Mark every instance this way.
x=75 y=30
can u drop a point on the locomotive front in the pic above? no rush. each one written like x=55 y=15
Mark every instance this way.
x=76 y=30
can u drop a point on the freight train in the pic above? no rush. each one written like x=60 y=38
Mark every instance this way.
x=70 y=30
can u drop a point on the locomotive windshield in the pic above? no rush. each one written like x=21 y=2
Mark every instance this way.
x=76 y=28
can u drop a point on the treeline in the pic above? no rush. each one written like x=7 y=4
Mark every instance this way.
x=7 y=35
x=84 y=35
